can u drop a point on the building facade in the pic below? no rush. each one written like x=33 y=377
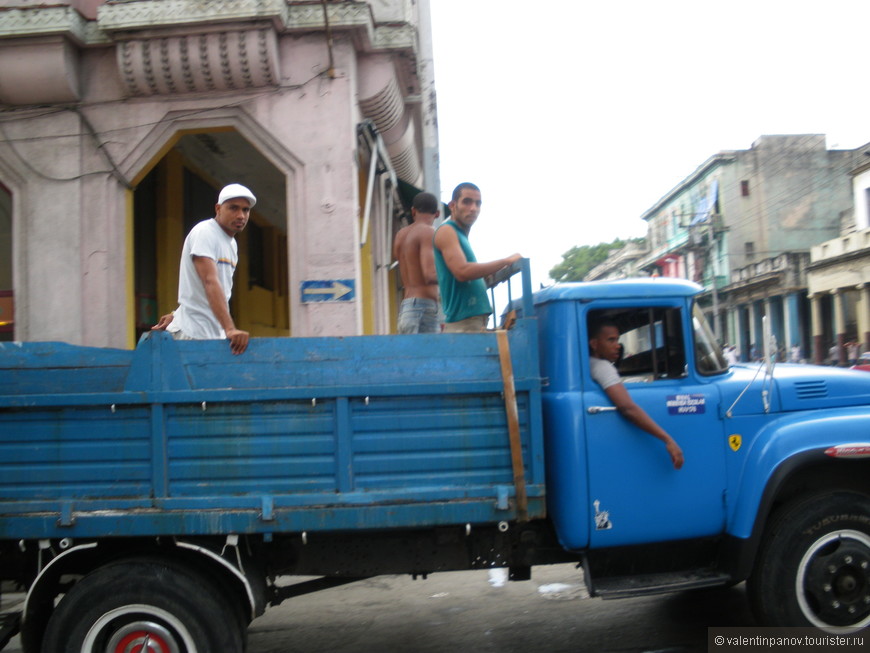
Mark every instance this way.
x=122 y=119
x=838 y=279
x=743 y=224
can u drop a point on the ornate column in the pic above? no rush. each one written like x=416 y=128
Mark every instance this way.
x=839 y=326
x=864 y=315
x=819 y=349
x=742 y=317
x=756 y=335
x=792 y=322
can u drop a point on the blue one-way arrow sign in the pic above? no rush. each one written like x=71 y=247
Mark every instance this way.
x=328 y=290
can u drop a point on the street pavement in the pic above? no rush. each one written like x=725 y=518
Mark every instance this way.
x=475 y=611
x=479 y=611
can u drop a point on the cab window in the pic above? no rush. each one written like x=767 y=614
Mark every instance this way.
x=652 y=341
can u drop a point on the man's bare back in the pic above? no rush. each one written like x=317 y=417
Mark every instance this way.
x=413 y=250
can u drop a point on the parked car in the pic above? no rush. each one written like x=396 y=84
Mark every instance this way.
x=863 y=362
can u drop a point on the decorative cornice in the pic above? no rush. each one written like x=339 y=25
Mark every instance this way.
x=44 y=21
x=187 y=46
x=215 y=61
x=122 y=20
x=839 y=259
x=131 y=16
x=340 y=14
x=395 y=37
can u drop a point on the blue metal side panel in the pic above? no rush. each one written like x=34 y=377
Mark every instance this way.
x=296 y=434
x=40 y=368
x=776 y=439
x=567 y=457
x=75 y=453
x=567 y=464
x=251 y=448
x=461 y=442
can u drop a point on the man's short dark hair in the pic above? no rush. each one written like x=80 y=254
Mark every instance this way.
x=425 y=203
x=464 y=185
x=596 y=325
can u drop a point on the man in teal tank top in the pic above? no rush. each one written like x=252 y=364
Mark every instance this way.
x=460 y=277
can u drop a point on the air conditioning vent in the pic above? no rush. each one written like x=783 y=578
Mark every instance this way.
x=811 y=389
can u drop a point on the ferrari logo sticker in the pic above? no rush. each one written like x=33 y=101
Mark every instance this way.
x=734 y=441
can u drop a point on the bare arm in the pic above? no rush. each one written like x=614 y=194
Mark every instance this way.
x=206 y=268
x=461 y=268
x=165 y=321
x=638 y=416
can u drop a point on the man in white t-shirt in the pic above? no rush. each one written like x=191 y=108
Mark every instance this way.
x=604 y=347
x=208 y=260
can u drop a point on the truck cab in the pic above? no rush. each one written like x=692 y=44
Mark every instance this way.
x=759 y=443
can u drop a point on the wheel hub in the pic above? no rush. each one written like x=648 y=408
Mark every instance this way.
x=142 y=637
x=834 y=580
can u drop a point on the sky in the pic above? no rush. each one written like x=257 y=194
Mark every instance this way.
x=576 y=116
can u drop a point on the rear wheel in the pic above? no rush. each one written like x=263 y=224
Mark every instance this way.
x=814 y=565
x=143 y=605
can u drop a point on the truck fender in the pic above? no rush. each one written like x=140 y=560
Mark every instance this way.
x=256 y=608
x=781 y=450
x=40 y=595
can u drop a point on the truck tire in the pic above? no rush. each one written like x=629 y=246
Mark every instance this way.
x=813 y=567
x=128 y=604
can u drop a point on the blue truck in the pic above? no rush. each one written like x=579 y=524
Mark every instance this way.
x=154 y=496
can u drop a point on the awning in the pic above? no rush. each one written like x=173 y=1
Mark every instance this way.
x=407 y=193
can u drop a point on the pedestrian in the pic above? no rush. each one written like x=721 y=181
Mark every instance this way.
x=419 y=311
x=731 y=355
x=852 y=352
x=604 y=348
x=205 y=283
x=460 y=277
x=795 y=356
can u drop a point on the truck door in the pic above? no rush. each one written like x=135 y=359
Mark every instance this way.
x=636 y=495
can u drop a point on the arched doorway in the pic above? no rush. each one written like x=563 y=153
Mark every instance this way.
x=178 y=190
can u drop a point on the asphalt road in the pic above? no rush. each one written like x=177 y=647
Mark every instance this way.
x=478 y=611
x=470 y=611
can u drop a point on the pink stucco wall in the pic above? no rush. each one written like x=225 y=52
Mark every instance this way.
x=71 y=230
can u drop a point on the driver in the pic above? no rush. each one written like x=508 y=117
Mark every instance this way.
x=605 y=349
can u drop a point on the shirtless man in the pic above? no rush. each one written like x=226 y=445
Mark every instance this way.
x=420 y=310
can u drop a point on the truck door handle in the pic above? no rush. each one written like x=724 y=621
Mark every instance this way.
x=594 y=410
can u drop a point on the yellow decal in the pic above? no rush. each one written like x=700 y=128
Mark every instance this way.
x=734 y=441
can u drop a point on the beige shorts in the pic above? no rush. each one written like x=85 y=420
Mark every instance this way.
x=473 y=324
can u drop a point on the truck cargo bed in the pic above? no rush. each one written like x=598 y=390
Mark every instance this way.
x=297 y=434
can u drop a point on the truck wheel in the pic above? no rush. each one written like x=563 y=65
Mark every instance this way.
x=143 y=604
x=813 y=568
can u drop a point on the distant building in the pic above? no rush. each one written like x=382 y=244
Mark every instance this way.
x=620 y=263
x=838 y=277
x=121 y=120
x=742 y=225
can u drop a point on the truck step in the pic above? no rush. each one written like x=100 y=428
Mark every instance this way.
x=9 y=622
x=620 y=587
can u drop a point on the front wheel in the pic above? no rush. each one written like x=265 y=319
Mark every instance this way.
x=813 y=568
x=143 y=605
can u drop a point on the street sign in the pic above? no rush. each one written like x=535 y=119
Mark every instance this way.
x=328 y=290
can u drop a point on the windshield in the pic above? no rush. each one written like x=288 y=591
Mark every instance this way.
x=708 y=354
